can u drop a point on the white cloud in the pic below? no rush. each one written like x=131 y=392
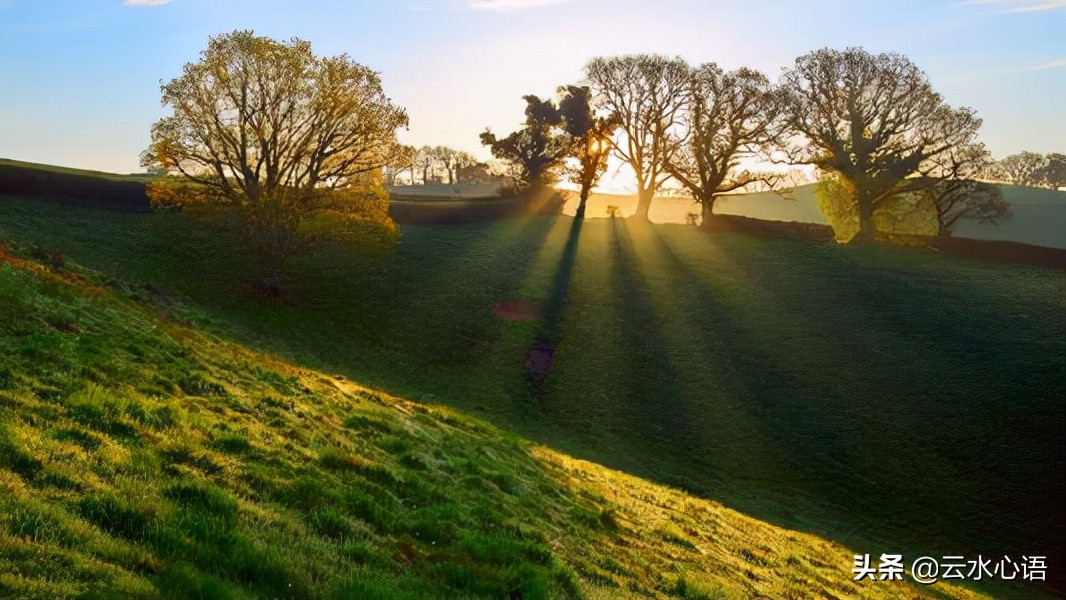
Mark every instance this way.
x=1022 y=6
x=1038 y=6
x=509 y=4
x=1055 y=64
x=144 y=2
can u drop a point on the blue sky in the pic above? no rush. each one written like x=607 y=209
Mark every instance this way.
x=79 y=79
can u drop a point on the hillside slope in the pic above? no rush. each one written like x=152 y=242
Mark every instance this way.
x=141 y=458
x=74 y=186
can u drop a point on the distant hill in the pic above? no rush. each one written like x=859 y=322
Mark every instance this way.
x=136 y=177
x=1039 y=214
x=95 y=189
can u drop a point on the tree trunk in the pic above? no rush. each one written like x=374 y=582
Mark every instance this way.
x=580 y=212
x=866 y=231
x=707 y=215
x=644 y=198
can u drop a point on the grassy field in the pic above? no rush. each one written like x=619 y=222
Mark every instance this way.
x=443 y=192
x=887 y=399
x=140 y=458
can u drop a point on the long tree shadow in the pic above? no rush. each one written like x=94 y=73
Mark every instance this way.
x=550 y=323
x=656 y=400
x=541 y=354
x=819 y=419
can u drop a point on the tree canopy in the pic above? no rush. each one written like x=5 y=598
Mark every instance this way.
x=647 y=94
x=268 y=125
x=589 y=140
x=535 y=149
x=871 y=119
x=1031 y=169
x=730 y=116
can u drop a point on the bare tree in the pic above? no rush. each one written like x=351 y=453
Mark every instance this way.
x=268 y=126
x=730 y=116
x=871 y=119
x=956 y=195
x=647 y=94
x=401 y=159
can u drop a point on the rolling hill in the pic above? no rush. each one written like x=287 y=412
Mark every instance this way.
x=752 y=410
x=141 y=458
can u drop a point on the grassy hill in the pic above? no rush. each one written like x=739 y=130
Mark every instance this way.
x=886 y=399
x=140 y=458
x=74 y=186
x=6 y=163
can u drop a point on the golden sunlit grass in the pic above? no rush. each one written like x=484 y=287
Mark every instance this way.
x=139 y=458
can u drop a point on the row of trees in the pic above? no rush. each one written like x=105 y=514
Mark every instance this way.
x=1030 y=169
x=430 y=164
x=871 y=121
x=284 y=137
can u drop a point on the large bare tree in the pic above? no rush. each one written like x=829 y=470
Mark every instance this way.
x=268 y=126
x=730 y=116
x=871 y=119
x=647 y=94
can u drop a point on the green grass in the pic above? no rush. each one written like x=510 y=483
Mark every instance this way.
x=888 y=399
x=140 y=458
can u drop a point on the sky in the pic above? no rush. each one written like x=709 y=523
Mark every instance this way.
x=79 y=79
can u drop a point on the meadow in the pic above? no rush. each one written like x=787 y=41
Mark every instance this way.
x=885 y=398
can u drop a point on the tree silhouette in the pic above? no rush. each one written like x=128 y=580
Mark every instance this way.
x=871 y=119
x=729 y=117
x=589 y=140
x=647 y=94
x=536 y=148
x=268 y=127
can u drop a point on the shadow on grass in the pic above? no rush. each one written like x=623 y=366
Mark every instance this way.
x=874 y=393
x=656 y=399
x=550 y=323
